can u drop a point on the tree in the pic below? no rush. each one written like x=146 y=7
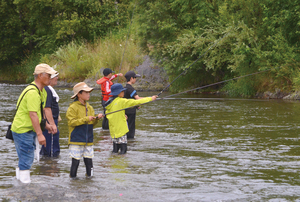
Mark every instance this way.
x=42 y=26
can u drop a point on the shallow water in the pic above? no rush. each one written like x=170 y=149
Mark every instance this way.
x=185 y=150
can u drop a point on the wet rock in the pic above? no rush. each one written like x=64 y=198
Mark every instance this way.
x=293 y=96
x=152 y=77
x=278 y=94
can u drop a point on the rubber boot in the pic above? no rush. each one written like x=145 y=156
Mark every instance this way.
x=115 y=148
x=89 y=166
x=123 y=148
x=74 y=167
x=17 y=173
x=24 y=176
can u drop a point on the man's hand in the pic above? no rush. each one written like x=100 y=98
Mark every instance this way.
x=52 y=129
x=41 y=139
x=120 y=74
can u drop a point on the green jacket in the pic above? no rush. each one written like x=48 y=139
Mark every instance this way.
x=80 y=128
x=117 y=121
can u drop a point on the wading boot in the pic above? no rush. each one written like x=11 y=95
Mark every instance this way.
x=17 y=173
x=24 y=176
x=89 y=167
x=74 y=167
x=123 y=148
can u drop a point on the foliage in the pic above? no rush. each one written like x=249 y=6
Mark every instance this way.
x=260 y=35
x=44 y=25
x=207 y=40
x=77 y=61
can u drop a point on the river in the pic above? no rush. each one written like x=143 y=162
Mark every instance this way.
x=198 y=148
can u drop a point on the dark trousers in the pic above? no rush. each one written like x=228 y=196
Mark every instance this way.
x=131 y=125
x=52 y=148
x=104 y=120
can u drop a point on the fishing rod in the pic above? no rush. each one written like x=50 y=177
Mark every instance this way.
x=191 y=90
x=214 y=84
x=222 y=99
x=126 y=40
x=192 y=64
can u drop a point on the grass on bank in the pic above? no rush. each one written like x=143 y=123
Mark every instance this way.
x=80 y=60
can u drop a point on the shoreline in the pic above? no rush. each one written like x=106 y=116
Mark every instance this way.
x=139 y=86
x=143 y=85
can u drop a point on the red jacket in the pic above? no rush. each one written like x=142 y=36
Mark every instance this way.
x=106 y=83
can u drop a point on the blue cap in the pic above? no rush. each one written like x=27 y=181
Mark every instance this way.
x=116 y=89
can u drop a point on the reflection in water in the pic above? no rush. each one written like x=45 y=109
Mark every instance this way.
x=48 y=166
x=184 y=150
x=118 y=163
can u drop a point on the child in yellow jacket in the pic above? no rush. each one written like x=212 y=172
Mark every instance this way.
x=117 y=121
x=81 y=120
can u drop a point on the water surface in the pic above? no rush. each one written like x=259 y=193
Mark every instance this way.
x=185 y=150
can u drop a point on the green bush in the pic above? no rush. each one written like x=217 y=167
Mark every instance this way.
x=80 y=60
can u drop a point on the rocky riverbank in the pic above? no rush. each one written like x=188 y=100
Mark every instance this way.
x=279 y=94
x=153 y=78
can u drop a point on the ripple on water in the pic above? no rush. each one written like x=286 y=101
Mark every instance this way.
x=184 y=150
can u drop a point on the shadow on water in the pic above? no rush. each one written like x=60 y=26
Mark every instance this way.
x=185 y=150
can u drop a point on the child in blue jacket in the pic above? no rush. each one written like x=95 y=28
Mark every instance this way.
x=81 y=120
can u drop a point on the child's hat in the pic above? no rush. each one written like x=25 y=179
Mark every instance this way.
x=79 y=87
x=116 y=89
x=130 y=74
x=107 y=71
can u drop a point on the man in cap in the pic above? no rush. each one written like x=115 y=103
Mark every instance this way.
x=26 y=124
x=51 y=109
x=130 y=93
x=106 y=83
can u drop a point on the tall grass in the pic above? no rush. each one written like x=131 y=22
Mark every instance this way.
x=80 y=60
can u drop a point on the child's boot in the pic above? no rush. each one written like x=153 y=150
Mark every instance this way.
x=115 y=148
x=74 y=167
x=89 y=166
x=123 y=148
x=24 y=176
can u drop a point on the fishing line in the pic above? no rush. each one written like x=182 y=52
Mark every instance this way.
x=192 y=64
x=126 y=41
x=191 y=90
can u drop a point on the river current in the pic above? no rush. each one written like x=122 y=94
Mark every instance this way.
x=197 y=148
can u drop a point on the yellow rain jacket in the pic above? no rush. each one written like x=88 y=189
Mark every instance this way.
x=117 y=121
x=80 y=128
